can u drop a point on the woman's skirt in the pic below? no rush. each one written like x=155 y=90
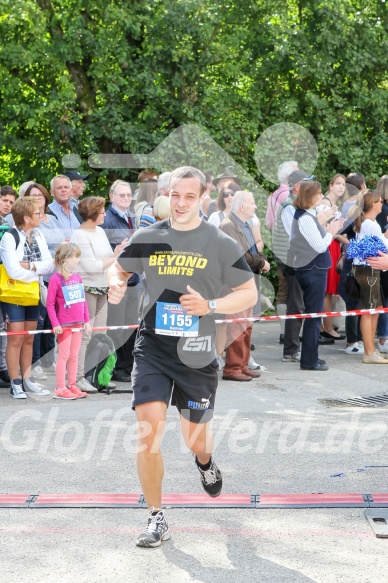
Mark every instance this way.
x=332 y=276
x=369 y=281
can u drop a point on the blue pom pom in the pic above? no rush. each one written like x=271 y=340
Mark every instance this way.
x=367 y=247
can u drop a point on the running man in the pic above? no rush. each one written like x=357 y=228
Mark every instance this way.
x=186 y=262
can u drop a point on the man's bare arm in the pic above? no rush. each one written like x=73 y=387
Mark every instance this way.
x=241 y=298
x=117 y=279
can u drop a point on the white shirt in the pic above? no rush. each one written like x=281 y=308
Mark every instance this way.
x=369 y=227
x=308 y=228
x=11 y=257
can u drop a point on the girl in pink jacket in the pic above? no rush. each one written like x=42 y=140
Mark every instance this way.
x=67 y=309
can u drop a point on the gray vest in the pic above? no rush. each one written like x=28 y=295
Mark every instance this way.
x=280 y=239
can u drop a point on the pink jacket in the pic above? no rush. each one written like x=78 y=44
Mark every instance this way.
x=59 y=313
x=274 y=202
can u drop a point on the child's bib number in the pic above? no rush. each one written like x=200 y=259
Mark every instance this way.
x=73 y=293
x=172 y=320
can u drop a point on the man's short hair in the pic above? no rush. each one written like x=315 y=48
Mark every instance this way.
x=188 y=172
x=90 y=207
x=56 y=178
x=7 y=189
x=117 y=183
x=239 y=198
x=24 y=207
x=286 y=169
x=164 y=181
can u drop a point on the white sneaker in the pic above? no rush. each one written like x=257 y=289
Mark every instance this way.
x=16 y=391
x=357 y=348
x=374 y=358
x=30 y=386
x=383 y=347
x=39 y=373
x=220 y=362
x=253 y=365
x=84 y=385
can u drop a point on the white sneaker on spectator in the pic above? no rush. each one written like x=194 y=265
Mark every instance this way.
x=39 y=373
x=253 y=365
x=220 y=362
x=84 y=385
x=383 y=347
x=30 y=386
x=357 y=348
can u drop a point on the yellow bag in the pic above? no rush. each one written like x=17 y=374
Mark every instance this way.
x=14 y=291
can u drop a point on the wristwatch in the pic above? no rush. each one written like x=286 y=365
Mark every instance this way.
x=212 y=305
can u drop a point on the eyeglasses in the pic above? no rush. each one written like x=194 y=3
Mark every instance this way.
x=227 y=193
x=37 y=213
x=40 y=195
x=103 y=213
x=124 y=195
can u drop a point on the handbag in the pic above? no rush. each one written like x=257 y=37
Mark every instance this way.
x=43 y=292
x=352 y=287
x=15 y=291
x=340 y=262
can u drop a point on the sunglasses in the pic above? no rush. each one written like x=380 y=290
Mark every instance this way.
x=227 y=193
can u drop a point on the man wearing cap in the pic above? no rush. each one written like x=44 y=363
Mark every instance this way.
x=77 y=184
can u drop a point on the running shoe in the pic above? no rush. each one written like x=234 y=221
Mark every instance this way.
x=16 y=391
x=211 y=478
x=30 y=386
x=76 y=391
x=64 y=394
x=156 y=530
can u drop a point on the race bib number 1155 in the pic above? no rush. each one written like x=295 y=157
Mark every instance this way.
x=172 y=320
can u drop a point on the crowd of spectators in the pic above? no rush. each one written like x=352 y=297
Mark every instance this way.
x=311 y=228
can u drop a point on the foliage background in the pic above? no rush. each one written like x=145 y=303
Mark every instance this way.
x=115 y=76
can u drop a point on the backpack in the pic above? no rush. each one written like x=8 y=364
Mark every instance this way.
x=100 y=361
x=7 y=229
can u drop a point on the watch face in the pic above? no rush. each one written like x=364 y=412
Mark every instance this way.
x=212 y=305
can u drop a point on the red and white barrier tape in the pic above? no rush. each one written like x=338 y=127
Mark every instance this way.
x=371 y=311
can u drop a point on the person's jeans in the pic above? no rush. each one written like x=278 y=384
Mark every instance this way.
x=313 y=285
x=352 y=323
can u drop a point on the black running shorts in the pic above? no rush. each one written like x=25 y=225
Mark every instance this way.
x=192 y=391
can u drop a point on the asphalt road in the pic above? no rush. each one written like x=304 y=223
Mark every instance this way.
x=277 y=434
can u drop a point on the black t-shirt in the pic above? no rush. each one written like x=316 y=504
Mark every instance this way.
x=204 y=258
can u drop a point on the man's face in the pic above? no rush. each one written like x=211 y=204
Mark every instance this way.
x=121 y=197
x=78 y=187
x=62 y=190
x=248 y=207
x=185 y=203
x=6 y=204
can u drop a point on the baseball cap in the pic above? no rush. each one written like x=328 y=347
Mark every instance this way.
x=299 y=176
x=75 y=175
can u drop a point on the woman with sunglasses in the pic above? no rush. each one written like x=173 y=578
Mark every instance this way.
x=224 y=203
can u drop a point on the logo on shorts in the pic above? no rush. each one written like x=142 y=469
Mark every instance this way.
x=198 y=344
x=204 y=404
